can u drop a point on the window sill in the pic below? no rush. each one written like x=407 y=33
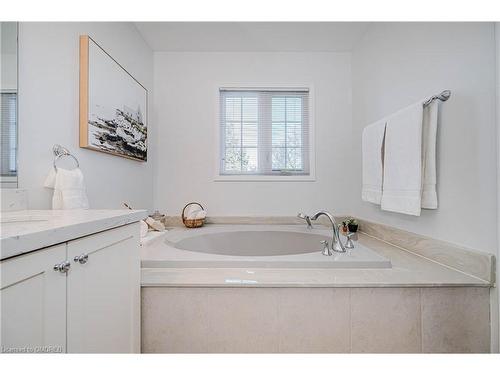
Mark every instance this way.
x=260 y=178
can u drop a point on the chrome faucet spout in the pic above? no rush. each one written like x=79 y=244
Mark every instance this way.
x=305 y=217
x=337 y=245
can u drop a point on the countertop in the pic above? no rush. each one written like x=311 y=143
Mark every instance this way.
x=25 y=231
x=408 y=270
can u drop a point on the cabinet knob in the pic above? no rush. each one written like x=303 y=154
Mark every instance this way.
x=62 y=267
x=82 y=258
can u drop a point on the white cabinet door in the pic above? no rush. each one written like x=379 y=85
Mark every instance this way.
x=104 y=292
x=33 y=302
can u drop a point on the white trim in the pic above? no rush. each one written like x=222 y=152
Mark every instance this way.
x=311 y=177
x=263 y=178
x=264 y=88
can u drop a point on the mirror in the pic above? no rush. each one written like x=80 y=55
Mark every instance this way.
x=8 y=104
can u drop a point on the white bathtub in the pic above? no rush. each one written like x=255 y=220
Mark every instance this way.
x=252 y=246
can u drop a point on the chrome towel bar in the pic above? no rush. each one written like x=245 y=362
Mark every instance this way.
x=444 y=96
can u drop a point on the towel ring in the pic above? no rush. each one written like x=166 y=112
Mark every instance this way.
x=60 y=151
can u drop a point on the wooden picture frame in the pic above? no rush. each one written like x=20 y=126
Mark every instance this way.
x=113 y=105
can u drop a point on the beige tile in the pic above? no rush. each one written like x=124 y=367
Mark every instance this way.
x=242 y=320
x=174 y=320
x=472 y=262
x=246 y=320
x=455 y=320
x=313 y=320
x=385 y=320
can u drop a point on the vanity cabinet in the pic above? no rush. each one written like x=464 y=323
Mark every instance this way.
x=104 y=293
x=79 y=297
x=33 y=302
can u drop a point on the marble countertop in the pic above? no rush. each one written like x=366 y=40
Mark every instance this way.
x=25 y=231
x=408 y=270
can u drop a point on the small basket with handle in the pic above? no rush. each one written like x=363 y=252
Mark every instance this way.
x=192 y=223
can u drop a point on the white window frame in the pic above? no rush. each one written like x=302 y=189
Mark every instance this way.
x=256 y=177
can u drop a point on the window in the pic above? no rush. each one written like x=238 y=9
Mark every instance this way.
x=8 y=121
x=264 y=132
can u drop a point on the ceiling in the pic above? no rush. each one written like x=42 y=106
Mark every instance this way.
x=252 y=36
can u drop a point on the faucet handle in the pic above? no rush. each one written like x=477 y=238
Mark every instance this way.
x=303 y=216
x=349 y=244
x=326 y=249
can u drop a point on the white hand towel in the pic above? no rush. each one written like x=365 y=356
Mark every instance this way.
x=201 y=214
x=196 y=213
x=372 y=149
x=155 y=224
x=69 y=190
x=50 y=180
x=402 y=184
x=429 y=133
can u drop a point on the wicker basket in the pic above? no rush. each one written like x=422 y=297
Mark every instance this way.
x=192 y=223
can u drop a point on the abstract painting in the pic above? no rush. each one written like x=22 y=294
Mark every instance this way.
x=113 y=105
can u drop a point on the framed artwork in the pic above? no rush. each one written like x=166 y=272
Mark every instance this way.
x=113 y=105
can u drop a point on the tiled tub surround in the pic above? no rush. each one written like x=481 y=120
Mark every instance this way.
x=476 y=263
x=408 y=270
x=320 y=320
x=419 y=305
x=468 y=261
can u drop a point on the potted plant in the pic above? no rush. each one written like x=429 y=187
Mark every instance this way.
x=344 y=226
x=352 y=225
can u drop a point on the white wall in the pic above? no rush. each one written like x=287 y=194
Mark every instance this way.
x=48 y=111
x=186 y=113
x=397 y=64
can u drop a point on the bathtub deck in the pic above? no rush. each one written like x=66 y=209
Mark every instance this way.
x=408 y=270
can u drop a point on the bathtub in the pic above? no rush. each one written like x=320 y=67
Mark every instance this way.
x=253 y=246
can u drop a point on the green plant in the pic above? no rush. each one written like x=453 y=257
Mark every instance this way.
x=351 y=221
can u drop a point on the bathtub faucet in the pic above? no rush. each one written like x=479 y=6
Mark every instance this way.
x=336 y=244
x=305 y=217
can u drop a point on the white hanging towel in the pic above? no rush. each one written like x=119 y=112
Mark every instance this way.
x=373 y=157
x=50 y=180
x=402 y=184
x=429 y=134
x=69 y=189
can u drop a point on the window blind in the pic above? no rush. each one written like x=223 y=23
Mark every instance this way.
x=8 y=133
x=264 y=132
